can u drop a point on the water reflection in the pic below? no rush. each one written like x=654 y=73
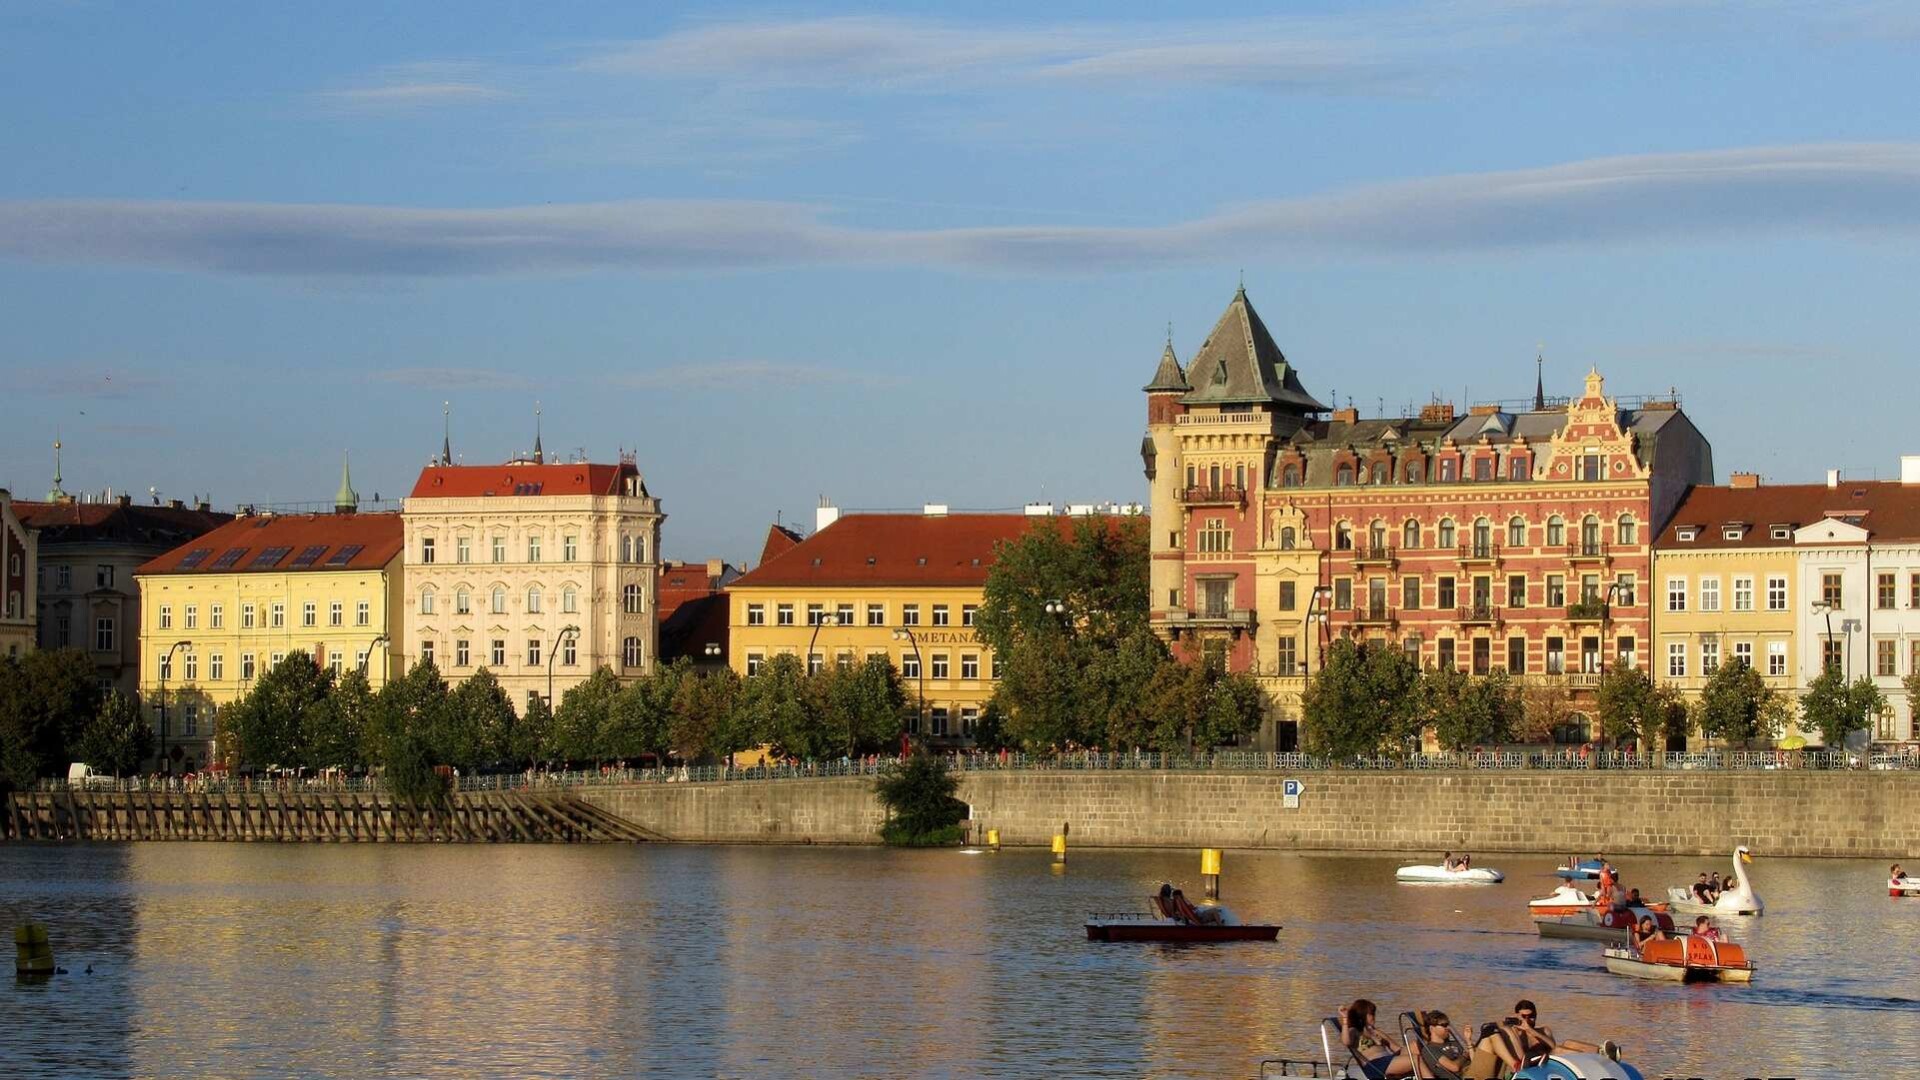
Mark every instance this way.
x=736 y=961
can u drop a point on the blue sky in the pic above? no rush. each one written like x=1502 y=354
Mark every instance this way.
x=925 y=253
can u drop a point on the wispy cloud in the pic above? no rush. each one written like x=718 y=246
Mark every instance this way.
x=1864 y=190
x=80 y=381
x=424 y=85
x=747 y=376
x=454 y=378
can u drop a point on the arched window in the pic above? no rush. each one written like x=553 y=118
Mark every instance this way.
x=1287 y=538
x=1343 y=537
x=1377 y=535
x=639 y=549
x=1190 y=479
x=462 y=601
x=1413 y=472
x=426 y=601
x=499 y=600
x=1344 y=477
x=1213 y=477
x=569 y=600
x=1517 y=532
x=1590 y=535
x=533 y=600
x=1446 y=533
x=1240 y=477
x=1556 y=531
x=1290 y=476
x=630 y=599
x=1379 y=472
x=1482 y=537
x=1410 y=535
x=1623 y=532
x=626 y=549
x=630 y=652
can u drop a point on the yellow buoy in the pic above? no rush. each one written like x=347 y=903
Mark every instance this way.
x=1059 y=846
x=34 y=951
x=993 y=839
x=1210 y=860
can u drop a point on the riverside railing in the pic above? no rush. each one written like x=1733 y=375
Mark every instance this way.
x=1073 y=761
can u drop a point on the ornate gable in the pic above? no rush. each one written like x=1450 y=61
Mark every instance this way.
x=1592 y=445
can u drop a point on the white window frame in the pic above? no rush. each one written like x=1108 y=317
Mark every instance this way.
x=1776 y=592
x=1709 y=593
x=1676 y=659
x=1743 y=592
x=1676 y=594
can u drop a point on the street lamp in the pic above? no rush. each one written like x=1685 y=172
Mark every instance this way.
x=1821 y=607
x=905 y=634
x=386 y=672
x=553 y=653
x=1313 y=601
x=1606 y=617
x=166 y=661
x=817 y=624
x=712 y=648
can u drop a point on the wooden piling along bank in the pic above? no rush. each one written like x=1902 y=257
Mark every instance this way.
x=487 y=817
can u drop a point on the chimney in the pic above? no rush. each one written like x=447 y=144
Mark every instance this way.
x=1044 y=509
x=934 y=509
x=125 y=500
x=1910 y=468
x=1437 y=413
x=1346 y=416
x=175 y=504
x=824 y=515
x=1833 y=478
x=1489 y=409
x=715 y=568
x=1744 y=481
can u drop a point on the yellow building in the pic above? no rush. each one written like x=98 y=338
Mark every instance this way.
x=218 y=612
x=902 y=586
x=1725 y=586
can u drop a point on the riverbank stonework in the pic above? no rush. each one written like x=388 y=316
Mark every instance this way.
x=1786 y=813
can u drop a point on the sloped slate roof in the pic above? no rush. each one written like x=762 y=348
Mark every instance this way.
x=1240 y=364
x=1168 y=375
x=154 y=527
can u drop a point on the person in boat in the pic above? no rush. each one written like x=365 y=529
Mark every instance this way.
x=1714 y=888
x=1379 y=1055
x=1497 y=1052
x=1466 y=861
x=1647 y=930
x=1195 y=916
x=1163 y=901
x=1437 y=1051
x=1447 y=862
x=1703 y=892
x=1537 y=1039
x=1894 y=873
x=1634 y=899
x=1703 y=928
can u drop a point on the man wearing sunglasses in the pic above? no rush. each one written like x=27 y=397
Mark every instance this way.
x=1540 y=1039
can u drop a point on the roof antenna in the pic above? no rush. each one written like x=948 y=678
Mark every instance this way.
x=1243 y=280
x=1169 y=333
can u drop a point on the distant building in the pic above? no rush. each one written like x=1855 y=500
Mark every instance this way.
x=1517 y=537
x=1794 y=579
x=18 y=547
x=223 y=609
x=693 y=611
x=533 y=570
x=90 y=550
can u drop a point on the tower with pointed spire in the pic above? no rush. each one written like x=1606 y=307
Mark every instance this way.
x=56 y=494
x=1160 y=456
x=1540 y=381
x=539 y=455
x=446 y=433
x=346 y=500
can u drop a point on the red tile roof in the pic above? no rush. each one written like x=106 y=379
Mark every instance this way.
x=378 y=536
x=779 y=539
x=130 y=523
x=680 y=582
x=898 y=549
x=472 y=481
x=1887 y=510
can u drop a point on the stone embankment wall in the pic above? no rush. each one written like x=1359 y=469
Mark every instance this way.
x=1788 y=813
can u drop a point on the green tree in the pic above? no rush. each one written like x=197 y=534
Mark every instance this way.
x=1119 y=681
x=408 y=714
x=866 y=707
x=918 y=794
x=409 y=772
x=118 y=739
x=1837 y=708
x=776 y=706
x=584 y=717
x=480 y=723
x=1038 y=693
x=1363 y=700
x=641 y=716
x=532 y=739
x=1736 y=705
x=337 y=736
x=269 y=727
x=47 y=697
x=1629 y=705
x=708 y=722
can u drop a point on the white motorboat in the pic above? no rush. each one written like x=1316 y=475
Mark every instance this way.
x=1440 y=875
x=1737 y=900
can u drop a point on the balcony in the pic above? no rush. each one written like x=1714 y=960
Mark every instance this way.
x=1589 y=551
x=1210 y=495
x=1234 y=619
x=1375 y=615
x=1480 y=553
x=1583 y=611
x=1365 y=554
x=1483 y=613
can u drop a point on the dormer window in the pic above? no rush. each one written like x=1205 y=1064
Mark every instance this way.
x=1446 y=471
x=1732 y=532
x=1686 y=535
x=1782 y=532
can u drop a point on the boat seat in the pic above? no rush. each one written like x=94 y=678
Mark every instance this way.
x=1361 y=1067
x=1426 y=1061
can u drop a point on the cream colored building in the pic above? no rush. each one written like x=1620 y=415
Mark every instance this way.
x=221 y=610
x=534 y=570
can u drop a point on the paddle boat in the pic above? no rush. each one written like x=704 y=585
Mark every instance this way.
x=1569 y=900
x=1343 y=1064
x=1584 y=869
x=1440 y=875
x=1903 y=886
x=1685 y=959
x=1135 y=926
x=1595 y=925
x=1738 y=899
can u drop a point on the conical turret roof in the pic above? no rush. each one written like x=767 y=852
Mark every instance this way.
x=1168 y=376
x=1240 y=364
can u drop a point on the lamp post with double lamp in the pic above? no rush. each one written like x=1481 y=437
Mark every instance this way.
x=825 y=616
x=166 y=661
x=386 y=672
x=1319 y=593
x=905 y=634
x=1606 y=617
x=1821 y=607
x=554 y=653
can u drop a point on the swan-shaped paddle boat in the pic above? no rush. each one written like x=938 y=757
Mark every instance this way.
x=1737 y=900
x=1440 y=875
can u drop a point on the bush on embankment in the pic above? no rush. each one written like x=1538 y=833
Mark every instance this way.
x=921 y=809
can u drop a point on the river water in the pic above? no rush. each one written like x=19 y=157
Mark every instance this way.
x=425 y=961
